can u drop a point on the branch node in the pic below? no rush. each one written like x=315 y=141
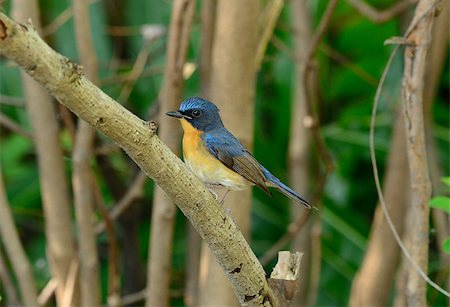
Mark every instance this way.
x=237 y=270
x=3 y=29
x=283 y=278
x=30 y=69
x=399 y=40
x=153 y=127
x=100 y=121
x=74 y=71
x=248 y=298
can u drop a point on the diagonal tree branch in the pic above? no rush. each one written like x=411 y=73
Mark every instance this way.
x=380 y=16
x=65 y=81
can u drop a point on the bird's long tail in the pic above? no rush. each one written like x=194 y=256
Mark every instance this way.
x=284 y=189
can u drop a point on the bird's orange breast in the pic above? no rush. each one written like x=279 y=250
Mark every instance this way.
x=207 y=168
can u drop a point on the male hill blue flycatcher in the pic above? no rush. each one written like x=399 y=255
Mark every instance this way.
x=216 y=157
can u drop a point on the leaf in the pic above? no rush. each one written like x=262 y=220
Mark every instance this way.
x=446 y=245
x=441 y=202
x=446 y=180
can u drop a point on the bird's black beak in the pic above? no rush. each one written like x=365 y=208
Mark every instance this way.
x=177 y=114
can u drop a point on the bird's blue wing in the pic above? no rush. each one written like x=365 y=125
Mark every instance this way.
x=227 y=149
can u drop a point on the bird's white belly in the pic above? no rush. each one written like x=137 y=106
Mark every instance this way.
x=217 y=175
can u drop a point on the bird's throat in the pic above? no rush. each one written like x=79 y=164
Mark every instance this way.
x=188 y=128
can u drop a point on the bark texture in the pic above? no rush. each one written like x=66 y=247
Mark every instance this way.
x=232 y=89
x=412 y=96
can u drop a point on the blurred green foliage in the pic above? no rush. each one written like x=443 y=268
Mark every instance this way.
x=345 y=103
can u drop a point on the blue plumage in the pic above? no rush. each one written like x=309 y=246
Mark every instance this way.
x=204 y=117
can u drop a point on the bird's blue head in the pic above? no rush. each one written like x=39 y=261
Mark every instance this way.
x=200 y=113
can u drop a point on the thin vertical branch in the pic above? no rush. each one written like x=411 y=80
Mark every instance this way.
x=55 y=198
x=113 y=248
x=208 y=14
x=377 y=271
x=82 y=174
x=412 y=96
x=267 y=22
x=299 y=146
x=7 y=282
x=436 y=62
x=15 y=250
x=163 y=216
x=232 y=88
x=406 y=253
x=310 y=120
x=322 y=149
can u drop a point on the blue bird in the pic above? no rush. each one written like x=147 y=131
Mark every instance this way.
x=216 y=157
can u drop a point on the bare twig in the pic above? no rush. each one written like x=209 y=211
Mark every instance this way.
x=267 y=23
x=315 y=41
x=208 y=15
x=7 y=282
x=82 y=175
x=113 y=249
x=135 y=73
x=132 y=76
x=15 y=251
x=405 y=251
x=333 y=54
x=47 y=292
x=379 y=16
x=295 y=226
x=293 y=229
x=412 y=97
x=316 y=255
x=208 y=18
x=232 y=88
x=71 y=283
x=8 y=123
x=377 y=272
x=285 y=274
x=59 y=21
x=12 y=101
x=68 y=122
x=301 y=166
x=132 y=299
x=163 y=213
x=55 y=199
x=134 y=192
x=348 y=64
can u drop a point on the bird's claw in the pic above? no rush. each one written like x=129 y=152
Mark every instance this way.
x=214 y=194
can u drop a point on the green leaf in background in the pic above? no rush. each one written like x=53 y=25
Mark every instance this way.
x=446 y=245
x=441 y=202
x=446 y=180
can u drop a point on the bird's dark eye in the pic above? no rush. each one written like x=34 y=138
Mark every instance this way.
x=196 y=113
